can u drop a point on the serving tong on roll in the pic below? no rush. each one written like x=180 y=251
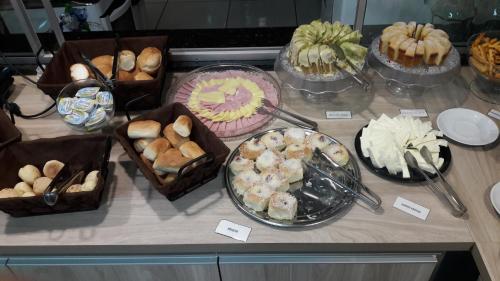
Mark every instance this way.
x=447 y=196
x=374 y=202
x=358 y=75
x=298 y=120
x=61 y=182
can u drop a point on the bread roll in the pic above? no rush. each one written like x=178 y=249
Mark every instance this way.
x=156 y=147
x=149 y=60
x=100 y=60
x=141 y=144
x=8 y=193
x=125 y=75
x=28 y=194
x=126 y=60
x=79 y=71
x=183 y=125
x=140 y=76
x=92 y=176
x=52 y=168
x=74 y=188
x=41 y=184
x=170 y=161
x=174 y=138
x=88 y=185
x=191 y=150
x=170 y=178
x=29 y=174
x=144 y=129
x=22 y=187
x=105 y=69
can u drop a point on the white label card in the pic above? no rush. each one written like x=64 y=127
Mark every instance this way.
x=414 y=112
x=338 y=115
x=411 y=208
x=233 y=230
x=494 y=113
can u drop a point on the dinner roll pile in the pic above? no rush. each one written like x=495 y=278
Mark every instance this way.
x=265 y=168
x=164 y=151
x=130 y=68
x=34 y=182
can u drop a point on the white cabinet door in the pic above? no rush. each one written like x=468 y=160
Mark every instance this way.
x=327 y=267
x=132 y=268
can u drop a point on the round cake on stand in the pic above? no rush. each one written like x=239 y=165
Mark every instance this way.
x=413 y=57
x=484 y=52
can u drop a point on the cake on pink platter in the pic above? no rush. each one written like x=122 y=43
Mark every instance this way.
x=227 y=101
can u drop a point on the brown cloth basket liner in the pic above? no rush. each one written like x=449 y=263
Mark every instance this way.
x=57 y=74
x=71 y=150
x=8 y=132
x=195 y=173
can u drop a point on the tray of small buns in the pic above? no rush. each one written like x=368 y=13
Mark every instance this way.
x=29 y=167
x=8 y=131
x=267 y=180
x=174 y=150
x=140 y=69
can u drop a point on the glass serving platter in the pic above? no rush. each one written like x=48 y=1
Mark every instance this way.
x=317 y=201
x=183 y=88
x=402 y=80
x=311 y=84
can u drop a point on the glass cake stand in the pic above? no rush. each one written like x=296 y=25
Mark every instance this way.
x=483 y=86
x=401 y=80
x=311 y=85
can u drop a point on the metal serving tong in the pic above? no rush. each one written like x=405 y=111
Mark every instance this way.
x=61 y=182
x=302 y=122
x=447 y=196
x=98 y=74
x=374 y=203
x=358 y=76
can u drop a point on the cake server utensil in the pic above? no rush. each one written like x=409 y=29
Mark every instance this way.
x=445 y=198
x=373 y=204
x=299 y=121
x=455 y=199
x=358 y=76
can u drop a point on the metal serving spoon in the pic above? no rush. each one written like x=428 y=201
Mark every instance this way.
x=443 y=196
x=426 y=154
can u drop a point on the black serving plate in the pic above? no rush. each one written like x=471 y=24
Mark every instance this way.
x=415 y=176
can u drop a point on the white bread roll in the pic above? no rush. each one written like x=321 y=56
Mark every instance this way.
x=29 y=174
x=126 y=60
x=173 y=137
x=141 y=144
x=149 y=60
x=170 y=161
x=104 y=59
x=282 y=206
x=156 y=147
x=79 y=71
x=88 y=185
x=22 y=187
x=191 y=150
x=92 y=176
x=52 y=168
x=74 y=188
x=8 y=193
x=105 y=69
x=28 y=194
x=41 y=184
x=183 y=125
x=142 y=76
x=144 y=129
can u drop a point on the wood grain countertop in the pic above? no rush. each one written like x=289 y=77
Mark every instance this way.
x=135 y=218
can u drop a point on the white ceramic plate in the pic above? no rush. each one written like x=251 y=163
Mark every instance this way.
x=495 y=197
x=467 y=126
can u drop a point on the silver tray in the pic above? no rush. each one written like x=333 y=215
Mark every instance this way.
x=423 y=76
x=316 y=203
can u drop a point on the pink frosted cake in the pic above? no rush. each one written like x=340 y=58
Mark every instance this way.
x=227 y=101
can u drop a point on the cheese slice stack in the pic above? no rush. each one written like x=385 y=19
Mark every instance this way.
x=386 y=140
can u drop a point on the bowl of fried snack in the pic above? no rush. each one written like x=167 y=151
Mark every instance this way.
x=484 y=57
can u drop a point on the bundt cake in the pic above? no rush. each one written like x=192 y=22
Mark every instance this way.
x=311 y=52
x=412 y=44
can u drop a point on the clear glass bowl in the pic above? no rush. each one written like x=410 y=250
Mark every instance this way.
x=181 y=91
x=486 y=80
x=88 y=111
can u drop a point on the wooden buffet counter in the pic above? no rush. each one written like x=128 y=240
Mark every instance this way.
x=134 y=219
